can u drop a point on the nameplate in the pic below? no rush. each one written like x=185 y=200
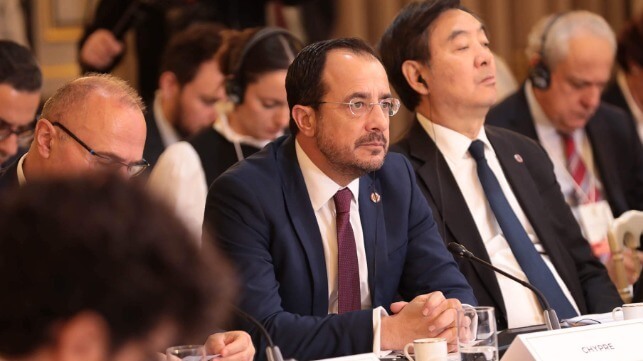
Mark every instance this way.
x=612 y=341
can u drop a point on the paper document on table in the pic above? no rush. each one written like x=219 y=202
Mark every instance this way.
x=591 y=319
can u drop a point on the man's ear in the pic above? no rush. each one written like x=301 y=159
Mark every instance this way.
x=84 y=337
x=412 y=70
x=45 y=136
x=168 y=85
x=305 y=118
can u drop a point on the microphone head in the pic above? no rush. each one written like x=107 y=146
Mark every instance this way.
x=458 y=250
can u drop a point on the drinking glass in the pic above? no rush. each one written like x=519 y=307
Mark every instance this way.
x=477 y=334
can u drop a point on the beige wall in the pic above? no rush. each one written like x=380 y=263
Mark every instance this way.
x=508 y=22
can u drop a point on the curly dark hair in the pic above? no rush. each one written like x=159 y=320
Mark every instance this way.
x=102 y=244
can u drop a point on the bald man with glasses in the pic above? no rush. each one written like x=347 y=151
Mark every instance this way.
x=92 y=124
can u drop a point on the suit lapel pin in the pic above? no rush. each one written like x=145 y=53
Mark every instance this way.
x=375 y=197
x=518 y=158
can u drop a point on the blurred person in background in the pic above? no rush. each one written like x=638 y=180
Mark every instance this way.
x=255 y=62
x=95 y=269
x=12 y=22
x=20 y=91
x=626 y=91
x=189 y=87
x=155 y=21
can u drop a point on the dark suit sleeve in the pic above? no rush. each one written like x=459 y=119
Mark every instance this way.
x=429 y=266
x=245 y=230
x=598 y=291
x=107 y=14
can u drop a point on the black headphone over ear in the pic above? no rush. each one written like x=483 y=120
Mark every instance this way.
x=539 y=74
x=233 y=85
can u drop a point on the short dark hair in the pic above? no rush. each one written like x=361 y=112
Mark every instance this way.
x=103 y=245
x=190 y=48
x=630 y=44
x=243 y=65
x=304 y=85
x=18 y=67
x=407 y=38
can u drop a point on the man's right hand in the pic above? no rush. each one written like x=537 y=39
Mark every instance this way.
x=430 y=315
x=100 y=49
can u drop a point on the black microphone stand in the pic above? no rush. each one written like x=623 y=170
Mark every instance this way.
x=551 y=319
x=272 y=351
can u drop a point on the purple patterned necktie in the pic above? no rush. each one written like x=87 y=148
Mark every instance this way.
x=347 y=266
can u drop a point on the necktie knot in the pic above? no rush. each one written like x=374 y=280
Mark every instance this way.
x=476 y=149
x=342 y=200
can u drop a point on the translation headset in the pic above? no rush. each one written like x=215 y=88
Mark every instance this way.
x=234 y=87
x=540 y=74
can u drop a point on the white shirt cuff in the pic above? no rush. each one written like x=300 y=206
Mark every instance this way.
x=378 y=313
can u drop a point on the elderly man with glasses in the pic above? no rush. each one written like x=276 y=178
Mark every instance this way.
x=93 y=123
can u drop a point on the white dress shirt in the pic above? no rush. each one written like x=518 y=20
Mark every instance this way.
x=179 y=179
x=21 y=173
x=321 y=190
x=169 y=135
x=637 y=114
x=522 y=305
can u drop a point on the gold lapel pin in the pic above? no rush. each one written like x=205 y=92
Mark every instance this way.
x=375 y=197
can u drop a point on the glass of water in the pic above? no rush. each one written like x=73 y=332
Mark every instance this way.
x=477 y=334
x=186 y=353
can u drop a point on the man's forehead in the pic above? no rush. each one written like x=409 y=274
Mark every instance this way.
x=454 y=23
x=345 y=70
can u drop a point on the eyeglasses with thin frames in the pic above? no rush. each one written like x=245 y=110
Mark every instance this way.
x=24 y=133
x=358 y=107
x=133 y=169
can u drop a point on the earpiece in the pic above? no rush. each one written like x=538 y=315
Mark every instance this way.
x=421 y=80
x=233 y=85
x=540 y=74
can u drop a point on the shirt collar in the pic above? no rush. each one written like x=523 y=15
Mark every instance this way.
x=222 y=126
x=169 y=135
x=21 y=173
x=320 y=187
x=454 y=146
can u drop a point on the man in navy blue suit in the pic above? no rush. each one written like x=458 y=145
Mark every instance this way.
x=321 y=283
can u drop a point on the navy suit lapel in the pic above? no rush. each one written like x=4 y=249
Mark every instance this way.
x=303 y=219
x=452 y=208
x=374 y=230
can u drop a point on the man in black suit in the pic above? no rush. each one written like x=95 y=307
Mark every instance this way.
x=448 y=78
x=626 y=91
x=92 y=269
x=594 y=147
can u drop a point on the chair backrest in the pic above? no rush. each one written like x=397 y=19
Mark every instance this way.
x=625 y=232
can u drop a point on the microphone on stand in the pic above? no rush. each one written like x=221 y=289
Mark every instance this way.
x=551 y=320
x=272 y=351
